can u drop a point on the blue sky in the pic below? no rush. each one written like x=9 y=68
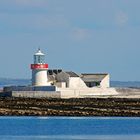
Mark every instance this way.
x=80 y=35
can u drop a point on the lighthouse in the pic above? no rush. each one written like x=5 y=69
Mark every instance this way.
x=39 y=70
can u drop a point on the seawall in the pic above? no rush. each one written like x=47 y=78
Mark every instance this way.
x=65 y=93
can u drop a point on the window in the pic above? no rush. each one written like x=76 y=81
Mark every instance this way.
x=39 y=59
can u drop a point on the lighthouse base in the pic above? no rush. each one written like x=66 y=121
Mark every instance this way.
x=39 y=77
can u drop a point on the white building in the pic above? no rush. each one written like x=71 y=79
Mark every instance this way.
x=73 y=80
x=69 y=80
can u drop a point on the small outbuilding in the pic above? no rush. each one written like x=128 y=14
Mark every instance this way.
x=69 y=80
x=96 y=80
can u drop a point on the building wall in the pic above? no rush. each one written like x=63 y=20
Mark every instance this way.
x=60 y=84
x=71 y=82
x=105 y=83
x=76 y=82
x=62 y=77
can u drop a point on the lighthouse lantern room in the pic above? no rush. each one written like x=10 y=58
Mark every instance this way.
x=39 y=70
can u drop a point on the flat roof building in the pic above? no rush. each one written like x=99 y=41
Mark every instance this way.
x=96 y=79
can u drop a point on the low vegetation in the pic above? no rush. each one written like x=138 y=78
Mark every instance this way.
x=69 y=107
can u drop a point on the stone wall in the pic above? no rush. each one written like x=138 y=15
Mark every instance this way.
x=36 y=94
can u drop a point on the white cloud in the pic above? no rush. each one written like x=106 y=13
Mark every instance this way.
x=121 y=18
x=54 y=21
x=34 y=21
x=81 y=34
x=31 y=2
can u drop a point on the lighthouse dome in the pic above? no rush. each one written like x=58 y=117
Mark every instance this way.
x=39 y=52
x=39 y=57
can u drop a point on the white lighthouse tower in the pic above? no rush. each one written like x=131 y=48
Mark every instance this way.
x=39 y=70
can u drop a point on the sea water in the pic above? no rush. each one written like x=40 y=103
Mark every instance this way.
x=69 y=128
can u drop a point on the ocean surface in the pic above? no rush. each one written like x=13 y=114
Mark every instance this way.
x=69 y=128
x=10 y=82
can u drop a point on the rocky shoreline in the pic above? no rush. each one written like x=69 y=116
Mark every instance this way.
x=70 y=107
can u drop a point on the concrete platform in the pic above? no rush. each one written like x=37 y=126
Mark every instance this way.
x=77 y=93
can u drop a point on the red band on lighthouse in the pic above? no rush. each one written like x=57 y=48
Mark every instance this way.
x=39 y=66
